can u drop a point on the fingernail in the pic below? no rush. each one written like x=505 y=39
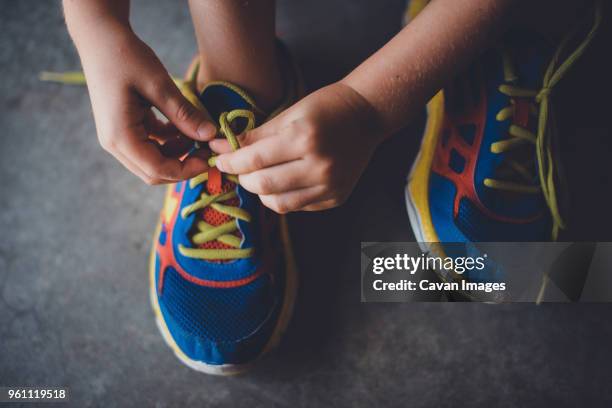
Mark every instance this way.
x=206 y=130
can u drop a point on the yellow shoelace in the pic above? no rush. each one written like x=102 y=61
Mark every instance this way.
x=542 y=140
x=224 y=232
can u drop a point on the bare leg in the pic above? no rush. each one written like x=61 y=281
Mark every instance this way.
x=236 y=41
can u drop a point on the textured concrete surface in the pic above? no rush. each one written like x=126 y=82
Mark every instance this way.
x=76 y=227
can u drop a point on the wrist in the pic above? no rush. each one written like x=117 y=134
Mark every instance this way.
x=88 y=22
x=364 y=112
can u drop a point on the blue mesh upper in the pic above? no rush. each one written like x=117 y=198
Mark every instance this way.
x=220 y=326
x=478 y=227
x=457 y=162
x=217 y=314
x=471 y=225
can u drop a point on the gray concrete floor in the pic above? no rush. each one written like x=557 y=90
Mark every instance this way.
x=76 y=227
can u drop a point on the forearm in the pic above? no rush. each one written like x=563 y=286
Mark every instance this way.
x=85 y=18
x=400 y=78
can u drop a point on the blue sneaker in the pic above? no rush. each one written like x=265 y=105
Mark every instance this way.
x=487 y=170
x=222 y=276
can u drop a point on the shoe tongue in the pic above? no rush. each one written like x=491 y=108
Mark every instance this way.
x=214 y=185
x=530 y=54
x=219 y=97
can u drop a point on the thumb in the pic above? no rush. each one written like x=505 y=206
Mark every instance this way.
x=192 y=122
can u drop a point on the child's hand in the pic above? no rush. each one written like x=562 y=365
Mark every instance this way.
x=125 y=80
x=310 y=156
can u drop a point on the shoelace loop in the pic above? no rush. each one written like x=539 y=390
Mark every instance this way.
x=223 y=233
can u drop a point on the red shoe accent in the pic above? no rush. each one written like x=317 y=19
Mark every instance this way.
x=451 y=140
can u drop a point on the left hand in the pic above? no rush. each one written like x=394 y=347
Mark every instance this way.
x=310 y=156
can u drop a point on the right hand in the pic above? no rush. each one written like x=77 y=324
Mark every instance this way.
x=125 y=80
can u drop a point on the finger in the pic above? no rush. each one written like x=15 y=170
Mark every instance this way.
x=137 y=171
x=203 y=154
x=220 y=146
x=173 y=142
x=112 y=147
x=166 y=97
x=261 y=154
x=146 y=154
x=176 y=147
x=159 y=129
x=284 y=177
x=294 y=200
